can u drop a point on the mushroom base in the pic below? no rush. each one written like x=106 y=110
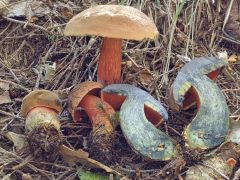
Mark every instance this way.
x=44 y=141
x=101 y=145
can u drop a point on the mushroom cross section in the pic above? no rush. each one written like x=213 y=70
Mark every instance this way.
x=194 y=85
x=141 y=134
x=113 y=23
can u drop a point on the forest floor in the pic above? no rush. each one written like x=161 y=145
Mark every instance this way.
x=30 y=46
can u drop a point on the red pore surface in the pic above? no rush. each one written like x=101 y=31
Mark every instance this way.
x=214 y=74
x=109 y=66
x=191 y=97
x=116 y=102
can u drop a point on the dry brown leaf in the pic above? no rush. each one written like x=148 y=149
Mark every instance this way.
x=27 y=177
x=81 y=156
x=233 y=58
x=33 y=19
x=145 y=77
x=67 y=12
x=128 y=63
x=71 y=156
x=4 y=86
x=18 y=140
x=4 y=94
x=234 y=134
x=17 y=8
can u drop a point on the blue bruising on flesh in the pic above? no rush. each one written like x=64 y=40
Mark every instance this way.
x=141 y=134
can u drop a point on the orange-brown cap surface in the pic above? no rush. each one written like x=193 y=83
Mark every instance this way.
x=40 y=98
x=77 y=94
x=113 y=21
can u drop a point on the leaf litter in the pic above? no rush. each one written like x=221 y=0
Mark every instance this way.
x=26 y=38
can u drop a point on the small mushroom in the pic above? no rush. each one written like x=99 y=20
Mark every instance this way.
x=41 y=108
x=194 y=85
x=84 y=98
x=141 y=134
x=114 y=23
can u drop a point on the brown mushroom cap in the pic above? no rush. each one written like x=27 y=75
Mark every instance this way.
x=40 y=98
x=77 y=94
x=113 y=21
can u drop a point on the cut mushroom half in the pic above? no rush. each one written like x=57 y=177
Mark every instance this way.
x=41 y=109
x=141 y=134
x=113 y=23
x=194 y=85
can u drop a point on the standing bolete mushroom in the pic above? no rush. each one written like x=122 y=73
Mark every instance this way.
x=114 y=23
x=41 y=108
x=194 y=85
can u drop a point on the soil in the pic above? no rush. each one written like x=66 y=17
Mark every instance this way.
x=25 y=47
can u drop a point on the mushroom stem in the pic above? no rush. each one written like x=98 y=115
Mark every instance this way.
x=102 y=116
x=43 y=129
x=109 y=66
x=40 y=115
x=99 y=112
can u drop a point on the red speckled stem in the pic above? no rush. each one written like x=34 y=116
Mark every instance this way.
x=109 y=66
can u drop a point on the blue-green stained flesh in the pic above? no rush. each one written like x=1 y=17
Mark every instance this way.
x=210 y=126
x=142 y=135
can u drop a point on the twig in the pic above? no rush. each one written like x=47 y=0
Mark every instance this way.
x=9 y=114
x=11 y=71
x=41 y=68
x=220 y=173
x=22 y=164
x=25 y=23
x=16 y=85
x=38 y=78
x=230 y=90
x=237 y=175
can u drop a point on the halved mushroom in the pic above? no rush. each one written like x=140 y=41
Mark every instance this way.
x=114 y=23
x=85 y=98
x=141 y=134
x=194 y=85
x=41 y=108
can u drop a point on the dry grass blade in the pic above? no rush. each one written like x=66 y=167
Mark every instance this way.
x=82 y=157
x=172 y=30
x=187 y=29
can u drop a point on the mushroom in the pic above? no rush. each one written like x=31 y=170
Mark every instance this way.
x=113 y=23
x=137 y=109
x=194 y=85
x=84 y=98
x=40 y=108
